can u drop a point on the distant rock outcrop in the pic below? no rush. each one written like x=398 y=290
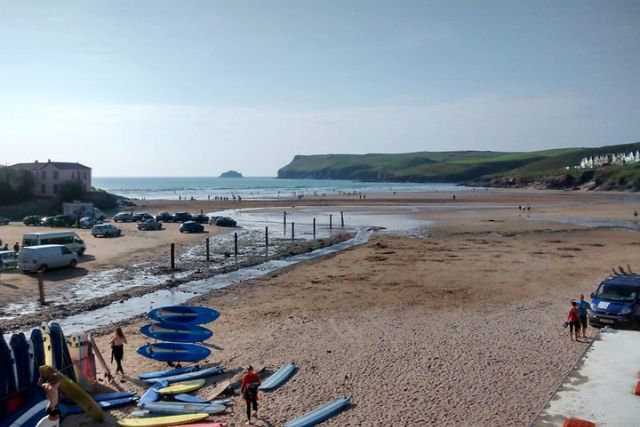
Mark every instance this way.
x=231 y=174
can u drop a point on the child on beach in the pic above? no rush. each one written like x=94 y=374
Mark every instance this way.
x=249 y=389
x=50 y=386
x=117 y=341
x=572 y=321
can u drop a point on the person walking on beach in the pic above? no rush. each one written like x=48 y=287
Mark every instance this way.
x=117 y=341
x=572 y=321
x=249 y=389
x=582 y=315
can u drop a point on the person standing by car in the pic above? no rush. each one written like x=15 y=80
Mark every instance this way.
x=582 y=315
x=572 y=321
x=16 y=247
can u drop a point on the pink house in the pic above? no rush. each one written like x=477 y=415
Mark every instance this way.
x=50 y=175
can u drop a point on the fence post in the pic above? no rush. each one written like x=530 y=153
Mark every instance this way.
x=285 y=223
x=266 y=241
x=341 y=219
x=330 y=222
x=314 y=228
x=235 y=244
x=293 y=225
x=208 y=255
x=173 y=256
x=41 y=287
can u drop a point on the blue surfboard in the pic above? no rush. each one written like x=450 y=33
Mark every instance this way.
x=203 y=373
x=278 y=378
x=104 y=404
x=152 y=395
x=320 y=414
x=176 y=332
x=189 y=398
x=23 y=364
x=60 y=344
x=168 y=372
x=7 y=378
x=184 y=314
x=113 y=395
x=174 y=352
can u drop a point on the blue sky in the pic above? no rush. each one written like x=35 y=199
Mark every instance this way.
x=186 y=88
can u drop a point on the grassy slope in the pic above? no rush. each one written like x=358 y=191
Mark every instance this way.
x=452 y=166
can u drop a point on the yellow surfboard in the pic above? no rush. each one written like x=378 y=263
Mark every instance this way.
x=48 y=345
x=75 y=393
x=169 y=420
x=183 y=387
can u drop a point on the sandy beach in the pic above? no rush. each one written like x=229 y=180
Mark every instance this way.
x=460 y=326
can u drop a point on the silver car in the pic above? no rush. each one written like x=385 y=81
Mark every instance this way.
x=105 y=230
x=8 y=259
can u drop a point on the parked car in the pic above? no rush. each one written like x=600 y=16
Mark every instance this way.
x=222 y=221
x=191 y=227
x=123 y=217
x=44 y=257
x=32 y=220
x=69 y=239
x=4 y=221
x=201 y=218
x=165 y=217
x=8 y=259
x=63 y=221
x=141 y=217
x=616 y=302
x=47 y=221
x=88 y=222
x=105 y=230
x=182 y=216
x=150 y=224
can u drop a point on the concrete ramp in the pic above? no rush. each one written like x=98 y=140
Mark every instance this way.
x=601 y=387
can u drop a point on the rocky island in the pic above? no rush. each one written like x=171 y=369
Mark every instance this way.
x=231 y=174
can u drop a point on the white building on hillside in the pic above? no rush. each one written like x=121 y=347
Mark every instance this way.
x=50 y=175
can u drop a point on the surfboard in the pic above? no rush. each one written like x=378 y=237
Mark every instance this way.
x=23 y=365
x=184 y=314
x=278 y=378
x=38 y=357
x=203 y=373
x=183 y=387
x=183 y=408
x=176 y=332
x=174 y=352
x=113 y=395
x=106 y=405
x=31 y=414
x=169 y=420
x=103 y=364
x=49 y=354
x=76 y=393
x=59 y=342
x=205 y=425
x=189 y=398
x=84 y=361
x=218 y=389
x=152 y=394
x=7 y=379
x=319 y=414
x=168 y=372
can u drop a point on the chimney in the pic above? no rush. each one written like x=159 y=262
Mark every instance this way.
x=49 y=161
x=36 y=161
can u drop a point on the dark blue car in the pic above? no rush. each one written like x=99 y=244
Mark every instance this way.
x=616 y=302
x=191 y=227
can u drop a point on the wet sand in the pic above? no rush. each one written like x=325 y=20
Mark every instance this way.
x=463 y=328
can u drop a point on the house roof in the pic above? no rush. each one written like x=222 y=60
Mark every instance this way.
x=42 y=165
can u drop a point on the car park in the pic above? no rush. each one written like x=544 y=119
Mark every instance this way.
x=141 y=217
x=45 y=257
x=165 y=217
x=64 y=221
x=68 y=239
x=191 y=227
x=182 y=216
x=105 y=230
x=32 y=220
x=201 y=218
x=123 y=217
x=616 y=302
x=47 y=221
x=4 y=221
x=150 y=224
x=8 y=260
x=88 y=222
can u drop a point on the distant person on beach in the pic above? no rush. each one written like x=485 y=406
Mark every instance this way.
x=635 y=215
x=16 y=247
x=582 y=315
x=572 y=321
x=5 y=247
x=249 y=389
x=117 y=342
x=454 y=197
x=50 y=386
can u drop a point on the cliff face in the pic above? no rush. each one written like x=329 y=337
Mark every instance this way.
x=559 y=182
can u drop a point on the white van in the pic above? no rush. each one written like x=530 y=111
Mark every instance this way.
x=67 y=238
x=44 y=257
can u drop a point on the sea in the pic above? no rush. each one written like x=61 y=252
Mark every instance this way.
x=201 y=188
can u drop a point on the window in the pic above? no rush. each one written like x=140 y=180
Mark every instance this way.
x=55 y=174
x=85 y=175
x=65 y=250
x=55 y=188
x=44 y=174
x=43 y=189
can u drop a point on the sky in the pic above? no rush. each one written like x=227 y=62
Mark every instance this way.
x=195 y=88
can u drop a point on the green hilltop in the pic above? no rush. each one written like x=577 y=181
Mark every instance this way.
x=546 y=168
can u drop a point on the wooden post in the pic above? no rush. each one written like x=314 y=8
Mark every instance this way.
x=41 y=287
x=341 y=219
x=293 y=225
x=173 y=256
x=266 y=241
x=235 y=243
x=208 y=255
x=314 y=228
x=330 y=222
x=285 y=223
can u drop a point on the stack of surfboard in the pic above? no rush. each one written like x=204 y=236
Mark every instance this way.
x=22 y=401
x=179 y=328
